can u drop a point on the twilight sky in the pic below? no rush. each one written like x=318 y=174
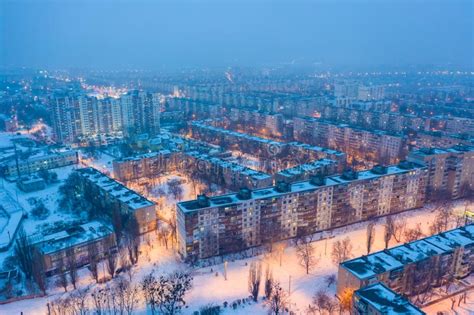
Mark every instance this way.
x=106 y=34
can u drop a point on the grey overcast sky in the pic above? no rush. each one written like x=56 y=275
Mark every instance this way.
x=107 y=34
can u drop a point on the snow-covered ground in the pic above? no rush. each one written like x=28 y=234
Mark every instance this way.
x=209 y=288
x=103 y=163
x=49 y=196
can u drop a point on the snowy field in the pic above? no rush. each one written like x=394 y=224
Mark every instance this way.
x=211 y=288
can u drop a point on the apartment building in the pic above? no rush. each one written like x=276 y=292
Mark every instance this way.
x=194 y=109
x=412 y=268
x=233 y=222
x=439 y=139
x=41 y=162
x=377 y=299
x=450 y=171
x=112 y=197
x=146 y=165
x=370 y=145
x=55 y=248
x=82 y=118
x=264 y=122
x=228 y=174
x=66 y=120
x=352 y=91
x=257 y=146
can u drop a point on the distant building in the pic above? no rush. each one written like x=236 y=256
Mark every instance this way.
x=41 y=162
x=228 y=174
x=82 y=118
x=146 y=165
x=78 y=240
x=266 y=148
x=377 y=299
x=371 y=145
x=450 y=171
x=353 y=91
x=370 y=92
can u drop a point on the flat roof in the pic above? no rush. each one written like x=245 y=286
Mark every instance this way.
x=263 y=193
x=383 y=261
x=120 y=192
x=72 y=236
x=386 y=301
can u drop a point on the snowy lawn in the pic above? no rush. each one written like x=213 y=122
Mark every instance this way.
x=209 y=288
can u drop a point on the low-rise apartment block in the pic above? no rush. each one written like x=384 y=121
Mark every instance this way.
x=414 y=267
x=42 y=162
x=77 y=240
x=377 y=299
x=112 y=197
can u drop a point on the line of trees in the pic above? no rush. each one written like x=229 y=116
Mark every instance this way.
x=162 y=294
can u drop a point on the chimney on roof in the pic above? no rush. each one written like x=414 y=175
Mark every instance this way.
x=318 y=180
x=244 y=194
x=203 y=200
x=283 y=187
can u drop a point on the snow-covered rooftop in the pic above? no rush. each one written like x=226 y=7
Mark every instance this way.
x=119 y=191
x=385 y=300
x=302 y=186
x=71 y=237
x=383 y=261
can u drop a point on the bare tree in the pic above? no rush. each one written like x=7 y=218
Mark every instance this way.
x=254 y=279
x=24 y=253
x=370 y=235
x=399 y=227
x=413 y=234
x=99 y=299
x=268 y=282
x=444 y=214
x=306 y=253
x=166 y=293
x=389 y=230
x=127 y=296
x=132 y=239
x=175 y=188
x=62 y=276
x=341 y=250
x=322 y=302
x=280 y=250
x=164 y=234
x=72 y=265
x=278 y=301
x=93 y=254
x=111 y=263
x=60 y=307
x=39 y=275
x=79 y=302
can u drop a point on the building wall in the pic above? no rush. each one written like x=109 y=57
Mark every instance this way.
x=290 y=214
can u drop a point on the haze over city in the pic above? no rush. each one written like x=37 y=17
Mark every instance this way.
x=207 y=157
x=174 y=34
